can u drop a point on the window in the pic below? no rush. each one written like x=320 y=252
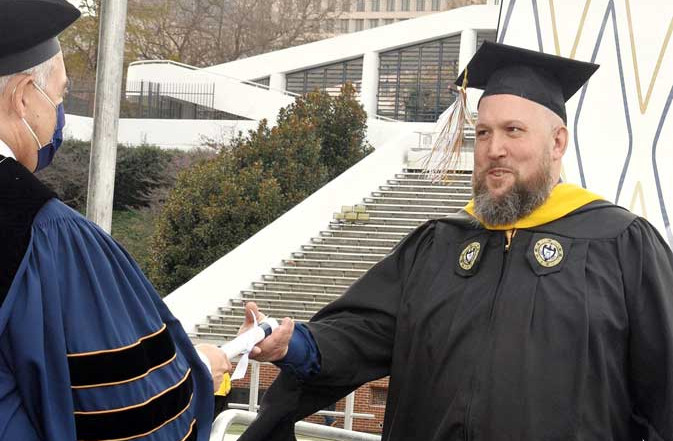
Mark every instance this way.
x=360 y=6
x=373 y=23
x=413 y=80
x=346 y=6
x=387 y=21
x=376 y=5
x=420 y=5
x=379 y=395
x=328 y=78
x=435 y=5
x=406 y=5
x=344 y=26
x=359 y=25
x=328 y=26
x=331 y=5
x=390 y=5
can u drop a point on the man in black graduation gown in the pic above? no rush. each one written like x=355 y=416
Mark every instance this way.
x=540 y=312
x=88 y=351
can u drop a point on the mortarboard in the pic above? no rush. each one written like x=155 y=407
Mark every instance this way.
x=28 y=31
x=499 y=69
x=546 y=79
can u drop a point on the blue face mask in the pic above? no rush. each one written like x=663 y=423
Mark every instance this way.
x=45 y=154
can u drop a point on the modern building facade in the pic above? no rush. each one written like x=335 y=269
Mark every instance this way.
x=358 y=15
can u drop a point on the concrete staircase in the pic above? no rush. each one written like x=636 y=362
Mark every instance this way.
x=326 y=266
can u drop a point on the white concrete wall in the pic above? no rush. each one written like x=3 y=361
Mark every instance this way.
x=181 y=134
x=622 y=143
x=187 y=134
x=225 y=278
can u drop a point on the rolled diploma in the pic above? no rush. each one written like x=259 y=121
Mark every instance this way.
x=246 y=341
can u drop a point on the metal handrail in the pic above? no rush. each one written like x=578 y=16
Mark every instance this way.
x=334 y=413
x=384 y=118
x=229 y=417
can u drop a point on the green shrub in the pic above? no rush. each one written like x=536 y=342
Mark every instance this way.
x=218 y=204
x=142 y=174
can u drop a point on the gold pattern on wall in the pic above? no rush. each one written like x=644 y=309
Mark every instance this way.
x=640 y=196
x=634 y=55
x=643 y=103
x=578 y=34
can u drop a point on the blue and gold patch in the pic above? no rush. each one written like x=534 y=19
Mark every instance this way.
x=548 y=252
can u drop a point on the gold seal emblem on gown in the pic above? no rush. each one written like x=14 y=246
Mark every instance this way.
x=469 y=256
x=548 y=252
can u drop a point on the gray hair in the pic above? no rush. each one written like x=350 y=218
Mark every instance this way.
x=41 y=73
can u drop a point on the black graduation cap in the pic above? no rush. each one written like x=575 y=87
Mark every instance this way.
x=546 y=79
x=28 y=30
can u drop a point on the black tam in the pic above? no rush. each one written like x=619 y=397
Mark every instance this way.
x=28 y=31
x=542 y=78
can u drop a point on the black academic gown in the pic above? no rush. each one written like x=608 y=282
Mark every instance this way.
x=504 y=348
x=88 y=351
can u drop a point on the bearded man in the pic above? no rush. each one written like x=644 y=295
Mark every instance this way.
x=540 y=312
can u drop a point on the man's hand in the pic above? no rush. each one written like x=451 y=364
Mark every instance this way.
x=275 y=346
x=219 y=364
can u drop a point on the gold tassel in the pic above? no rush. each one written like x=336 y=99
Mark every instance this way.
x=447 y=148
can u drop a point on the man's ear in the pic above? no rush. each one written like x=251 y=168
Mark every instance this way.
x=19 y=98
x=560 y=142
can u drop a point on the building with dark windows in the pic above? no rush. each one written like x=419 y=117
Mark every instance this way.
x=367 y=14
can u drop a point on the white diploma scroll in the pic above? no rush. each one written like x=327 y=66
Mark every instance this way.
x=243 y=344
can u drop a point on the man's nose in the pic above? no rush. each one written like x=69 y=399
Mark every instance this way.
x=497 y=148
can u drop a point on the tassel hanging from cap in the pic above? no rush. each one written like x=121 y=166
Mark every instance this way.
x=447 y=148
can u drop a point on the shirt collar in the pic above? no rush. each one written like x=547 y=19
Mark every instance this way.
x=6 y=151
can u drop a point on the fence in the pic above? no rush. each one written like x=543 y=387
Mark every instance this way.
x=145 y=99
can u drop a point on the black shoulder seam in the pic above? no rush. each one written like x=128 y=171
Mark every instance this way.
x=22 y=195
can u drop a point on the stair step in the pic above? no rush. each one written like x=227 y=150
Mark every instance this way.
x=319 y=271
x=332 y=264
x=278 y=313
x=297 y=287
x=351 y=234
x=435 y=188
x=338 y=255
x=372 y=208
x=254 y=295
x=345 y=249
x=428 y=182
x=354 y=241
x=420 y=196
x=289 y=304
x=323 y=280
x=390 y=216
x=411 y=204
x=421 y=175
x=372 y=227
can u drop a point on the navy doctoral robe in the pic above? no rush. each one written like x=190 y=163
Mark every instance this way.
x=88 y=351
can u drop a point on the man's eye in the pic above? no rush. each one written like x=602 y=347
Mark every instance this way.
x=514 y=129
x=481 y=132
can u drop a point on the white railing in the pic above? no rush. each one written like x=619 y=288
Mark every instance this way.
x=229 y=417
x=348 y=414
x=210 y=72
